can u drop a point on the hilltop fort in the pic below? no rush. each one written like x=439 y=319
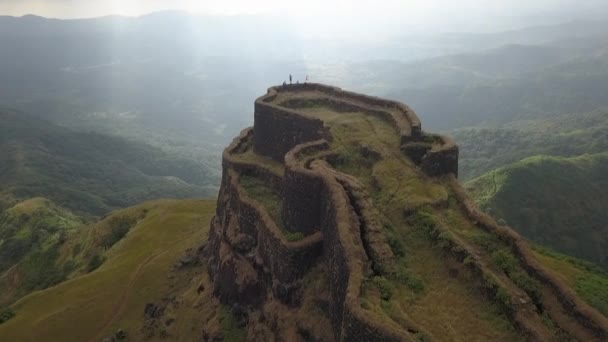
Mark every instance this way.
x=340 y=219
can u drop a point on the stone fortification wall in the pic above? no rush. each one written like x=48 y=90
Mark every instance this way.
x=344 y=254
x=415 y=127
x=280 y=128
x=302 y=193
x=443 y=160
x=571 y=303
x=251 y=259
x=249 y=255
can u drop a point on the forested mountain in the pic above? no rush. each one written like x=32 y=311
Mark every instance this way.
x=556 y=202
x=89 y=173
x=568 y=135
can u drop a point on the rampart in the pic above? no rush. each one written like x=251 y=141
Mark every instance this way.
x=251 y=258
x=281 y=128
x=245 y=240
x=346 y=259
x=586 y=315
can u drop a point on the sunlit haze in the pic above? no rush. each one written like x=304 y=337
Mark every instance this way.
x=331 y=17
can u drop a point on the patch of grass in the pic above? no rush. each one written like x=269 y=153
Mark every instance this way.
x=400 y=185
x=422 y=337
x=230 y=328
x=409 y=280
x=6 y=314
x=506 y=261
x=260 y=191
x=386 y=306
x=528 y=284
x=94 y=263
x=396 y=246
x=384 y=286
x=503 y=299
x=42 y=270
x=250 y=156
x=118 y=227
x=588 y=280
x=594 y=290
x=423 y=219
x=394 y=242
x=294 y=236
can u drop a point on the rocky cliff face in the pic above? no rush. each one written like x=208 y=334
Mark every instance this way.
x=325 y=206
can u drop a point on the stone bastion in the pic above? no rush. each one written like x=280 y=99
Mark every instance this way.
x=257 y=254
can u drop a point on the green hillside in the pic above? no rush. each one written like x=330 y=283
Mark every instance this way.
x=485 y=149
x=31 y=236
x=42 y=245
x=554 y=201
x=114 y=296
x=89 y=173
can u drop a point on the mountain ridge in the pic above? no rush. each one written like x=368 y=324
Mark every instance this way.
x=89 y=172
x=531 y=193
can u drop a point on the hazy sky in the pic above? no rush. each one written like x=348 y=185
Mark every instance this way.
x=89 y=8
x=462 y=14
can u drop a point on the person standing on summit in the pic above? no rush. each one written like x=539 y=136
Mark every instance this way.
x=290 y=78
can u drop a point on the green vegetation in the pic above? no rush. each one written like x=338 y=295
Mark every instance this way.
x=96 y=261
x=417 y=288
x=294 y=236
x=118 y=227
x=32 y=234
x=412 y=282
x=384 y=286
x=42 y=245
x=587 y=279
x=132 y=276
x=6 y=314
x=232 y=332
x=89 y=173
x=506 y=261
x=260 y=191
x=531 y=196
x=485 y=149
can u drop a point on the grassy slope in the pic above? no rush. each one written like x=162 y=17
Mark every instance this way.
x=556 y=202
x=587 y=279
x=31 y=236
x=114 y=296
x=90 y=173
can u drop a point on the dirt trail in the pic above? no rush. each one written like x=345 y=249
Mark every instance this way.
x=122 y=302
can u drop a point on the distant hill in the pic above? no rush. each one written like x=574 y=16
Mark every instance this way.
x=575 y=85
x=130 y=274
x=569 y=135
x=557 y=202
x=493 y=86
x=89 y=173
x=31 y=235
